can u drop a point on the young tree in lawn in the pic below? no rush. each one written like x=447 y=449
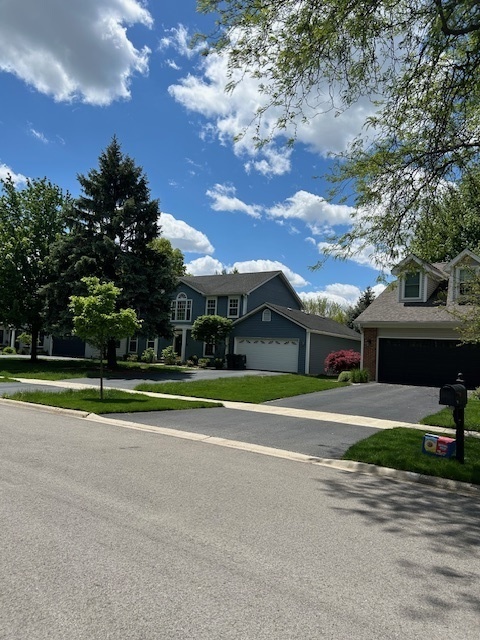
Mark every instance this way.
x=111 y=229
x=96 y=320
x=413 y=65
x=31 y=220
x=213 y=329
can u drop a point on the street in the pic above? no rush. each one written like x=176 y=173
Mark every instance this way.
x=110 y=532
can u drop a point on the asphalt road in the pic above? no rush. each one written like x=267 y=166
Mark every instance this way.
x=114 y=533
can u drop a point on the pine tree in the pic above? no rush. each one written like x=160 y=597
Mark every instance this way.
x=364 y=301
x=112 y=225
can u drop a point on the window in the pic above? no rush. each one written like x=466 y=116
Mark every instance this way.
x=211 y=307
x=411 y=285
x=266 y=315
x=133 y=345
x=181 y=309
x=233 y=307
x=465 y=278
x=151 y=343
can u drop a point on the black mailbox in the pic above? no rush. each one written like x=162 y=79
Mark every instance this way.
x=453 y=395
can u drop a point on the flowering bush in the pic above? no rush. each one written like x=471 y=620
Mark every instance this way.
x=344 y=360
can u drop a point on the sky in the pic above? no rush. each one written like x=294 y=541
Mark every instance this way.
x=74 y=74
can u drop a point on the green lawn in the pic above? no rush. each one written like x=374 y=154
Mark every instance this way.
x=402 y=449
x=444 y=418
x=114 y=401
x=48 y=369
x=255 y=389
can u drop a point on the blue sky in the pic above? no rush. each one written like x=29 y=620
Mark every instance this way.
x=73 y=74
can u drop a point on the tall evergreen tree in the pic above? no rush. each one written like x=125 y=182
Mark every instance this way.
x=31 y=219
x=112 y=225
x=364 y=301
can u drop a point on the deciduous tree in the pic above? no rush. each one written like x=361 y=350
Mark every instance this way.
x=31 y=220
x=96 y=320
x=214 y=330
x=418 y=63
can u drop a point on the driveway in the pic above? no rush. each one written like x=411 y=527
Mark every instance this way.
x=375 y=400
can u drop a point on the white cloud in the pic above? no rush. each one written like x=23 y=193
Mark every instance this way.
x=344 y=294
x=17 y=178
x=183 y=236
x=234 y=113
x=205 y=266
x=313 y=210
x=73 y=50
x=224 y=199
x=208 y=266
x=253 y=266
x=179 y=39
x=39 y=135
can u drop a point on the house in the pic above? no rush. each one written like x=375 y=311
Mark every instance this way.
x=409 y=333
x=269 y=326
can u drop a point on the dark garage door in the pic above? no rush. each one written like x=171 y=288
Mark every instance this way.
x=427 y=362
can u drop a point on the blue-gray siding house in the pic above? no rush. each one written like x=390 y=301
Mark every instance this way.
x=270 y=328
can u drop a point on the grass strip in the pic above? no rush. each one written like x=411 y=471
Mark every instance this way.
x=44 y=369
x=401 y=448
x=444 y=418
x=255 y=389
x=114 y=401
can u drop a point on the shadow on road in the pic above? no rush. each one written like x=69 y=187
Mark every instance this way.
x=446 y=523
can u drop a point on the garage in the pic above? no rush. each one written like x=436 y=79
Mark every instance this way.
x=427 y=362
x=269 y=354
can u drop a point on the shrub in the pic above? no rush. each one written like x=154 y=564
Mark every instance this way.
x=344 y=360
x=149 y=355
x=169 y=355
x=359 y=375
x=218 y=363
x=132 y=357
x=203 y=363
x=190 y=363
x=344 y=376
x=9 y=351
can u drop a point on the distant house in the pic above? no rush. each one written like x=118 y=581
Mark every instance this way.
x=270 y=327
x=409 y=334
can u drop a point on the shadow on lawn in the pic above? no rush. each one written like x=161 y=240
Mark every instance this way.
x=445 y=523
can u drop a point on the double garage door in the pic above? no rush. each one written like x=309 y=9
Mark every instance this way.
x=269 y=354
x=427 y=362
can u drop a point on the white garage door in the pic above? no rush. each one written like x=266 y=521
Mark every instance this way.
x=269 y=354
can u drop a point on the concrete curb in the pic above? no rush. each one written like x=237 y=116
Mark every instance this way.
x=350 y=466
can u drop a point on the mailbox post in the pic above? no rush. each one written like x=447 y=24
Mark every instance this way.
x=455 y=396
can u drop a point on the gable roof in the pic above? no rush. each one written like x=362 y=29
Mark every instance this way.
x=231 y=284
x=309 y=321
x=387 y=308
x=436 y=270
x=466 y=253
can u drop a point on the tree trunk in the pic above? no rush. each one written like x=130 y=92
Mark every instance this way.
x=112 y=354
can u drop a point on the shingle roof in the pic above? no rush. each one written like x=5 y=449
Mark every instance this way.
x=387 y=308
x=314 y=322
x=230 y=283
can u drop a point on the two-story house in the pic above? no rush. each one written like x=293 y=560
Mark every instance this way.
x=410 y=332
x=270 y=327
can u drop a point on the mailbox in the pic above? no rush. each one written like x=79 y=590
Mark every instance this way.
x=453 y=395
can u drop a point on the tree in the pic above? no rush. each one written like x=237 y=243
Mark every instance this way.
x=364 y=301
x=417 y=62
x=164 y=246
x=322 y=306
x=213 y=330
x=96 y=321
x=455 y=226
x=111 y=229
x=31 y=220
